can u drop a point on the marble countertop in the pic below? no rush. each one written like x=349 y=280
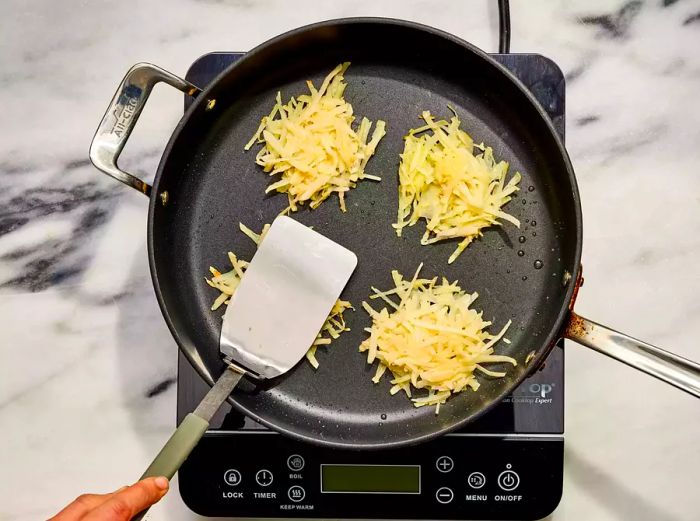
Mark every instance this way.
x=86 y=361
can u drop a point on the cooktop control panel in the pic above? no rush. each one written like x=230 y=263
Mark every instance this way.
x=263 y=475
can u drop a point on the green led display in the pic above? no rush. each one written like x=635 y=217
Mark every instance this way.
x=378 y=479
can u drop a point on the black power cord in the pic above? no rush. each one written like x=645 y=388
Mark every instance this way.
x=503 y=26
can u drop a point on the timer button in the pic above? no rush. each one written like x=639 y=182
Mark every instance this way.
x=444 y=464
x=232 y=477
x=295 y=462
x=296 y=493
x=444 y=495
x=508 y=480
x=263 y=477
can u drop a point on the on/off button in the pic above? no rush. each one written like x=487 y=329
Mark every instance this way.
x=508 y=480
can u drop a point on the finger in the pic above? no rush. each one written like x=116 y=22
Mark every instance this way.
x=82 y=505
x=123 y=505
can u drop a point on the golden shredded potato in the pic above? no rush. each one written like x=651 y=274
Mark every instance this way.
x=226 y=284
x=430 y=338
x=443 y=181
x=310 y=143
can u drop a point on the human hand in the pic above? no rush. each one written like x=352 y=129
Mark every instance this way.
x=120 y=505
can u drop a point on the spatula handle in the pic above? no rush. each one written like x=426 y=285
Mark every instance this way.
x=176 y=450
x=187 y=435
x=178 y=447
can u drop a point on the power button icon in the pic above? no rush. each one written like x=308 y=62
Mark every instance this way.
x=508 y=480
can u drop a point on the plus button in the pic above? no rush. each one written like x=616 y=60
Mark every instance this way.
x=444 y=464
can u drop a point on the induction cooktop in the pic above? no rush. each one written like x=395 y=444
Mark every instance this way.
x=506 y=465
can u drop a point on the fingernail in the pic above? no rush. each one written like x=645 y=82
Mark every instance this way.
x=162 y=483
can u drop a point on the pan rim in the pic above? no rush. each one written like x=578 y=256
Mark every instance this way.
x=191 y=352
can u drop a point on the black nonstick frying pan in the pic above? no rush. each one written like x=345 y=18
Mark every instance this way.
x=206 y=184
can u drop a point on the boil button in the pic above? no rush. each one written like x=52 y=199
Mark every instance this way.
x=295 y=462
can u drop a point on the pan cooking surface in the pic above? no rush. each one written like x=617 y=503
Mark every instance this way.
x=213 y=185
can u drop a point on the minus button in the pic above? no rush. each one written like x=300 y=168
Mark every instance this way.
x=444 y=495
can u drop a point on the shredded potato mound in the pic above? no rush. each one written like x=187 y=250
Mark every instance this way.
x=310 y=144
x=430 y=338
x=227 y=283
x=443 y=181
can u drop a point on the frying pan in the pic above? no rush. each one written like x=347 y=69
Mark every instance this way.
x=205 y=185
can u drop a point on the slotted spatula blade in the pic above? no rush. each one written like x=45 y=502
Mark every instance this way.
x=273 y=318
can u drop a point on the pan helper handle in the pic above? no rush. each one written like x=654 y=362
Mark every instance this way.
x=120 y=119
x=673 y=369
x=190 y=431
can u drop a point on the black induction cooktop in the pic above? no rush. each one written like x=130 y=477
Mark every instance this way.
x=506 y=465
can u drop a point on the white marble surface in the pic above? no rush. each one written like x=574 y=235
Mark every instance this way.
x=81 y=338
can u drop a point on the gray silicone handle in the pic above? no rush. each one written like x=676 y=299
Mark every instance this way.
x=178 y=447
x=175 y=451
x=192 y=428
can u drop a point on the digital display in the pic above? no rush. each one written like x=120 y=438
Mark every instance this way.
x=370 y=479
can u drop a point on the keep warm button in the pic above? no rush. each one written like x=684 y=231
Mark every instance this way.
x=296 y=493
x=508 y=480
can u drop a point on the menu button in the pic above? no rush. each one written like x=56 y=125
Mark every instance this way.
x=476 y=480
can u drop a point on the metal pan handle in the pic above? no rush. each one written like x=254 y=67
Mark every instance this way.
x=122 y=114
x=673 y=369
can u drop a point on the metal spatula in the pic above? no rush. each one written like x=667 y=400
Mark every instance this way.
x=284 y=298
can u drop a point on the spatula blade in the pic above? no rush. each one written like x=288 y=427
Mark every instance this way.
x=288 y=289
